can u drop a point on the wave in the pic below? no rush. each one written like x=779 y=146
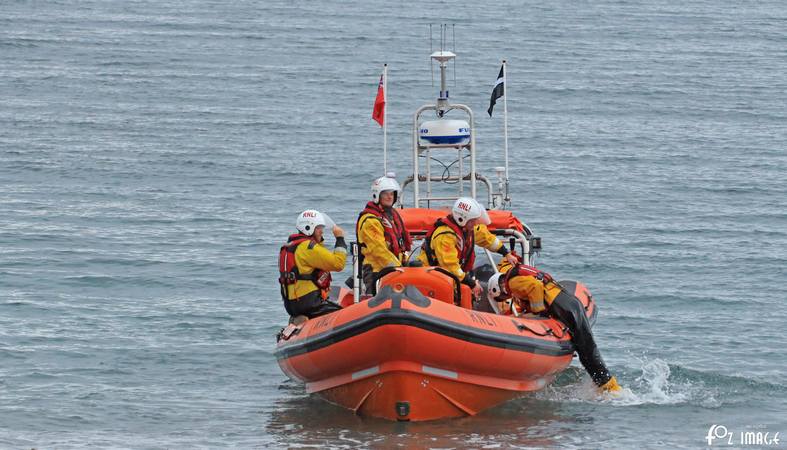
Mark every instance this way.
x=655 y=382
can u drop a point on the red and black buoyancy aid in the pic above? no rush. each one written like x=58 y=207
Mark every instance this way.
x=396 y=234
x=288 y=269
x=465 y=243
x=523 y=270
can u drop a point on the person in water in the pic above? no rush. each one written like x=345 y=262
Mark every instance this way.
x=305 y=267
x=383 y=239
x=451 y=242
x=537 y=292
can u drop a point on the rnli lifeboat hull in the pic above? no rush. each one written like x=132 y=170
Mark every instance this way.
x=405 y=356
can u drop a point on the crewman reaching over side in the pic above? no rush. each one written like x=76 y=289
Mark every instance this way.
x=383 y=239
x=539 y=293
x=305 y=267
x=451 y=242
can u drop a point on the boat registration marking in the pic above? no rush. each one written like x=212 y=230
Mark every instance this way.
x=365 y=372
x=441 y=372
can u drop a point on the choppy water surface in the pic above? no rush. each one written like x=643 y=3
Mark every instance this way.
x=153 y=156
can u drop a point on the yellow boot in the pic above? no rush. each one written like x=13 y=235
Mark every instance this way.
x=610 y=386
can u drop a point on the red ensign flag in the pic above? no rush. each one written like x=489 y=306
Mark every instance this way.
x=378 y=114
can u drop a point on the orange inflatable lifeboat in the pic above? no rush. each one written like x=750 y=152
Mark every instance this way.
x=417 y=351
x=422 y=349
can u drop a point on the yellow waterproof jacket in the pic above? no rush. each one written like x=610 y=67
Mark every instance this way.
x=529 y=289
x=445 y=244
x=376 y=250
x=309 y=256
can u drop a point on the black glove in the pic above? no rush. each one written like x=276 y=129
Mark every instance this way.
x=469 y=280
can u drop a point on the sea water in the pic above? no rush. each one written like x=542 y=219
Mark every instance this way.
x=154 y=156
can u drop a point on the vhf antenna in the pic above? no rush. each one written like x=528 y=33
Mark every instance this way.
x=443 y=42
x=431 y=50
x=453 y=33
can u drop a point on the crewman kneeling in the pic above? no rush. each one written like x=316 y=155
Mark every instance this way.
x=305 y=267
x=382 y=236
x=451 y=242
x=543 y=294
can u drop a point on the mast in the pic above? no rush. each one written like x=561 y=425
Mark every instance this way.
x=385 y=119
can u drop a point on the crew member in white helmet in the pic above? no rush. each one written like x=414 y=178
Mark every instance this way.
x=383 y=239
x=451 y=242
x=305 y=266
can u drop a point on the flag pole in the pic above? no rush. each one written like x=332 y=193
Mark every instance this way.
x=505 y=126
x=385 y=119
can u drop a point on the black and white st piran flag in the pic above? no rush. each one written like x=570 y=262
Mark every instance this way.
x=497 y=92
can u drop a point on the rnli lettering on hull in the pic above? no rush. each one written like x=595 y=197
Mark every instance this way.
x=482 y=319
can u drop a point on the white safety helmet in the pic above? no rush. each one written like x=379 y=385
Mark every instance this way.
x=383 y=184
x=495 y=291
x=309 y=220
x=466 y=209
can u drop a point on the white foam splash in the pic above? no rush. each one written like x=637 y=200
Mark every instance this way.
x=653 y=386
